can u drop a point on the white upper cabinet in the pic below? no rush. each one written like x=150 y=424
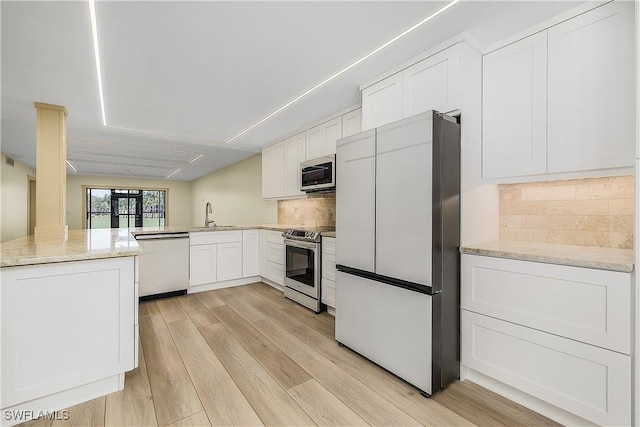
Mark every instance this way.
x=352 y=123
x=273 y=170
x=321 y=140
x=561 y=102
x=592 y=90
x=382 y=102
x=294 y=153
x=515 y=109
x=432 y=84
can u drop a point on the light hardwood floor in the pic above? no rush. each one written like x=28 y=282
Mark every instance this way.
x=247 y=356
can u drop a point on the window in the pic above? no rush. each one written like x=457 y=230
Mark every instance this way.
x=125 y=208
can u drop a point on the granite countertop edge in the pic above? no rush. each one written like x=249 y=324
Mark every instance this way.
x=621 y=260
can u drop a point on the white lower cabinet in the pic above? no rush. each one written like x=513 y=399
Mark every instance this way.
x=68 y=331
x=274 y=254
x=229 y=261
x=585 y=380
x=559 y=333
x=328 y=282
x=215 y=256
x=250 y=253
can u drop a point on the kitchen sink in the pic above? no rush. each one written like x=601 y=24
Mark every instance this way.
x=216 y=227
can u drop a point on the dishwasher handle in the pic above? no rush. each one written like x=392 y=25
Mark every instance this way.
x=162 y=236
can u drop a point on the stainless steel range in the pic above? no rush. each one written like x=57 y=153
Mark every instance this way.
x=302 y=267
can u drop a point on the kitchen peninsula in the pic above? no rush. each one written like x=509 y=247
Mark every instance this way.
x=69 y=319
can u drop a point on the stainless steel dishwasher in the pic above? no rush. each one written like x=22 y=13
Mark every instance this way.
x=164 y=265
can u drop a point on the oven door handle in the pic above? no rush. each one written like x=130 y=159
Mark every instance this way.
x=299 y=244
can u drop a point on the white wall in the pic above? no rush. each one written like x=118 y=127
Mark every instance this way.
x=178 y=196
x=236 y=195
x=13 y=204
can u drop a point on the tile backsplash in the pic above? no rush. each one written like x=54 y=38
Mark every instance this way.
x=318 y=210
x=584 y=212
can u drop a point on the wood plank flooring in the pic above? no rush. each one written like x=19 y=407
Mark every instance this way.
x=246 y=356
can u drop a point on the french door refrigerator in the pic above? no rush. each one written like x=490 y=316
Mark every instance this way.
x=397 y=241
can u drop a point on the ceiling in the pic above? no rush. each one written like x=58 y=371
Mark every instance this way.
x=181 y=78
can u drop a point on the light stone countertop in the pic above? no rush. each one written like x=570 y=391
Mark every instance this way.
x=101 y=243
x=577 y=256
x=81 y=245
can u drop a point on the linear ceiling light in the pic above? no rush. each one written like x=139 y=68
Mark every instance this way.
x=173 y=173
x=196 y=158
x=74 y=169
x=339 y=73
x=96 y=50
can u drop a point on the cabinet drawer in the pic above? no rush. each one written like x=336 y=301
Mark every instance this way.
x=328 y=292
x=328 y=245
x=275 y=272
x=584 y=304
x=585 y=380
x=211 y=237
x=275 y=253
x=329 y=267
x=275 y=237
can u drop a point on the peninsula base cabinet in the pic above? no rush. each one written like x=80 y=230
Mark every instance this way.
x=69 y=333
x=557 y=333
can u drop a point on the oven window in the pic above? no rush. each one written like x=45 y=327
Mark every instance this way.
x=300 y=265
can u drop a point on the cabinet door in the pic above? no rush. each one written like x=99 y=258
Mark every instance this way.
x=321 y=140
x=585 y=380
x=382 y=102
x=355 y=201
x=294 y=153
x=592 y=90
x=404 y=152
x=262 y=270
x=514 y=121
x=352 y=123
x=250 y=253
x=229 y=260
x=432 y=84
x=202 y=264
x=273 y=171
x=333 y=133
x=316 y=141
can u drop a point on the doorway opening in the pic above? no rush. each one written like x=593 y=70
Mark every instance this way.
x=31 y=205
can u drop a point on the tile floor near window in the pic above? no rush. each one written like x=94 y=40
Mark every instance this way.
x=247 y=356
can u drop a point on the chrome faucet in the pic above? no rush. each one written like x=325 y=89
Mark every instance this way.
x=207 y=211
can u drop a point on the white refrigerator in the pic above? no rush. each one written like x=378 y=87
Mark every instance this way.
x=397 y=242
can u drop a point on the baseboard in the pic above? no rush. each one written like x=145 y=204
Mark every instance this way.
x=331 y=311
x=524 y=399
x=222 y=285
x=272 y=283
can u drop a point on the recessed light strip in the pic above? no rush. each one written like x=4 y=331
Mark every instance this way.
x=173 y=173
x=339 y=73
x=96 y=50
x=196 y=158
x=72 y=167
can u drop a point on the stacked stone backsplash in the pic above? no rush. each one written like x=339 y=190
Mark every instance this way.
x=318 y=210
x=584 y=212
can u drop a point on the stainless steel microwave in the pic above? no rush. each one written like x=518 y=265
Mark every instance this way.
x=318 y=174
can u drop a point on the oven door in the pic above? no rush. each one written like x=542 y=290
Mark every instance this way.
x=302 y=267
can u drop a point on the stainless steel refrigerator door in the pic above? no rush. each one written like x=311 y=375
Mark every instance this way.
x=355 y=201
x=404 y=179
